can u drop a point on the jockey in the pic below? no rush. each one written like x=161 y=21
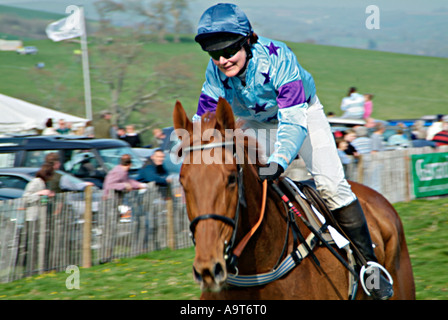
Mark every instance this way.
x=276 y=97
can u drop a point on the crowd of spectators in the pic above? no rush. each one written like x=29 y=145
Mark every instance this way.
x=368 y=139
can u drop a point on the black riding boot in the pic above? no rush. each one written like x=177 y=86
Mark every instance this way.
x=353 y=222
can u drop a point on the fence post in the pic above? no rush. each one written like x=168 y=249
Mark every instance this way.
x=87 y=238
x=170 y=219
x=407 y=163
x=170 y=223
x=42 y=218
x=360 y=169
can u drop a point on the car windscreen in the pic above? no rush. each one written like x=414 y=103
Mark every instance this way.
x=82 y=163
x=35 y=158
x=111 y=157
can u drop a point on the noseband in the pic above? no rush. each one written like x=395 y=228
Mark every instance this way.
x=230 y=258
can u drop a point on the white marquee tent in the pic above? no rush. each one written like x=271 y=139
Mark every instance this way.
x=17 y=116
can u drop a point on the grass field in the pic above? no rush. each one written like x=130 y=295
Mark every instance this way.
x=166 y=274
x=405 y=86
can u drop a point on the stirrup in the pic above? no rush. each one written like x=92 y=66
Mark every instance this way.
x=368 y=266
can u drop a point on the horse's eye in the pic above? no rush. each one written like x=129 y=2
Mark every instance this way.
x=232 y=179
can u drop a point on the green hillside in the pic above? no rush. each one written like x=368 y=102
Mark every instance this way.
x=405 y=86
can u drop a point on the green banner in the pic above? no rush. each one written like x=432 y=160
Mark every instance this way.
x=430 y=174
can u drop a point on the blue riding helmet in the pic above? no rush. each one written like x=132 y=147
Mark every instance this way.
x=221 y=26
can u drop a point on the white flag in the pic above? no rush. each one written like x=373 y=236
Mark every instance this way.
x=66 y=28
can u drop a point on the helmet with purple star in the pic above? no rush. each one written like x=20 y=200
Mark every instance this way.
x=223 y=29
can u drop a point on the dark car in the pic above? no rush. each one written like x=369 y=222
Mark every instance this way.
x=86 y=158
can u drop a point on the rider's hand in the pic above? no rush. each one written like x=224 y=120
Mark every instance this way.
x=271 y=172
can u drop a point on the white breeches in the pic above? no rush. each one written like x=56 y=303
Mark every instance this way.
x=318 y=152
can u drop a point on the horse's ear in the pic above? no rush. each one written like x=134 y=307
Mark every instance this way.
x=180 y=120
x=224 y=114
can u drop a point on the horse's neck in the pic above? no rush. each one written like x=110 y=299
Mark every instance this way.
x=271 y=233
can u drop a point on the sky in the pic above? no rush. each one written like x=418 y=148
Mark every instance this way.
x=408 y=26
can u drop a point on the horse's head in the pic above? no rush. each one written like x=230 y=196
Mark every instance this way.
x=210 y=176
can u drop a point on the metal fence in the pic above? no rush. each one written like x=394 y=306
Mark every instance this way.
x=68 y=230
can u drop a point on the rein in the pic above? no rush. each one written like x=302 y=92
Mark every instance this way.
x=231 y=254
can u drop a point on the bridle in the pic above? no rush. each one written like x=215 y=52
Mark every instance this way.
x=231 y=253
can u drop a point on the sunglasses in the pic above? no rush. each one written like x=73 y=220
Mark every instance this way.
x=228 y=52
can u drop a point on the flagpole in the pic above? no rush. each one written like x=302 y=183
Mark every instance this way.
x=85 y=66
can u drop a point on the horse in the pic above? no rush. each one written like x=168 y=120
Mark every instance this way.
x=225 y=201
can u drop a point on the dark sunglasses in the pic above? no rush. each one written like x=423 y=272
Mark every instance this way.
x=228 y=52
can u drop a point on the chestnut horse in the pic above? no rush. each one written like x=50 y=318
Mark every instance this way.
x=224 y=202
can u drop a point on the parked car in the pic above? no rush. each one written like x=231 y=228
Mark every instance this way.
x=10 y=193
x=86 y=158
x=27 y=50
x=14 y=180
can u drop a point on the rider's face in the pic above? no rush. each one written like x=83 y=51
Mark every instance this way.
x=232 y=66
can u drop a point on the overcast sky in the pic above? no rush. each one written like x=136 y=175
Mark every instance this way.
x=420 y=25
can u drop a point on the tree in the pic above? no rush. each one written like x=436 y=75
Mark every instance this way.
x=163 y=16
x=119 y=60
x=119 y=54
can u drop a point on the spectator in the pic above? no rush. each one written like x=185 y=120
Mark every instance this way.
x=132 y=137
x=118 y=178
x=370 y=124
x=63 y=127
x=59 y=182
x=159 y=137
x=362 y=142
x=353 y=105
x=418 y=130
x=121 y=133
x=441 y=137
x=349 y=136
x=399 y=139
x=342 y=145
x=153 y=170
x=377 y=137
x=434 y=127
x=49 y=129
x=89 y=130
x=103 y=127
x=37 y=188
x=368 y=106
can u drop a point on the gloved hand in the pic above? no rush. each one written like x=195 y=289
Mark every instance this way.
x=271 y=172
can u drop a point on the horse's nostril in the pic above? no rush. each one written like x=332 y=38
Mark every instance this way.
x=219 y=272
x=197 y=276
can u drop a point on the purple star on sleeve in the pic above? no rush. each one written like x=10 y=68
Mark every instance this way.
x=259 y=108
x=225 y=82
x=266 y=76
x=272 y=49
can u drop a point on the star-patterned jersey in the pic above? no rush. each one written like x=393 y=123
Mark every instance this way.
x=277 y=90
